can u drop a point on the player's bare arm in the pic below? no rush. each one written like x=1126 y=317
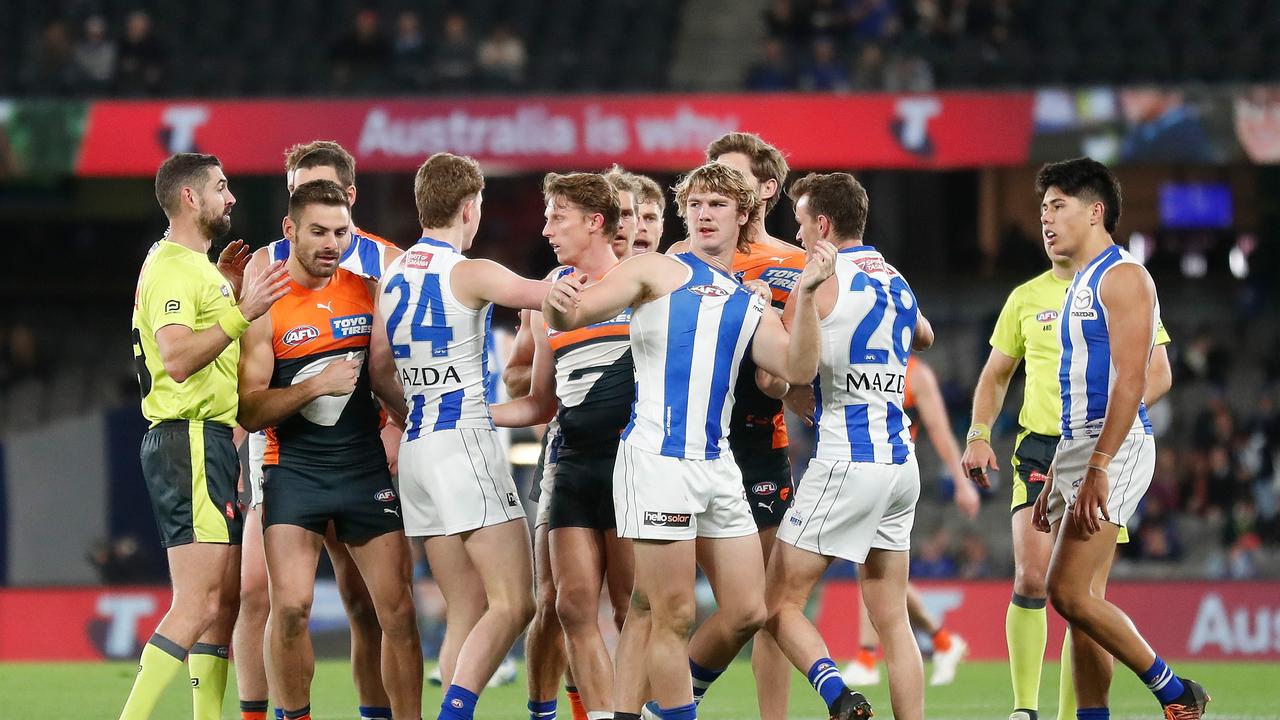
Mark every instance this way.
x=185 y=352
x=517 y=374
x=794 y=357
x=570 y=305
x=933 y=413
x=988 y=398
x=1159 y=376
x=539 y=404
x=382 y=371
x=262 y=406
x=1129 y=295
x=477 y=283
x=923 y=337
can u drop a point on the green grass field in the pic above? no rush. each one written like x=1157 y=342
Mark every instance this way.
x=97 y=690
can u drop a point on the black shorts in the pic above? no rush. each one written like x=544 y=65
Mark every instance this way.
x=361 y=503
x=766 y=478
x=1031 y=460
x=583 y=494
x=191 y=468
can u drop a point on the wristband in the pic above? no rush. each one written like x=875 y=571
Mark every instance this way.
x=1109 y=455
x=233 y=323
x=978 y=431
x=1098 y=468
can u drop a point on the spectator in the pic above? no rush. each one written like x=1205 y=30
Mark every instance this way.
x=827 y=19
x=975 y=557
x=140 y=62
x=773 y=73
x=825 y=73
x=361 y=57
x=455 y=61
x=502 y=58
x=95 y=55
x=908 y=73
x=409 y=52
x=934 y=559
x=49 y=68
x=780 y=23
x=869 y=70
x=121 y=561
x=872 y=21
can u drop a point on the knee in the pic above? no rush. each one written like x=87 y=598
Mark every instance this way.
x=290 y=619
x=359 y=606
x=748 y=620
x=519 y=608
x=576 y=607
x=254 y=600
x=400 y=618
x=1029 y=581
x=1067 y=600
x=675 y=616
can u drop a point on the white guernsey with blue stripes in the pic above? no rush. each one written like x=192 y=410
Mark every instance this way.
x=1086 y=374
x=440 y=345
x=862 y=375
x=687 y=347
x=364 y=256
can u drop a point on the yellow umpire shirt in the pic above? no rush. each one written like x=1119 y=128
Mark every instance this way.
x=179 y=286
x=1028 y=328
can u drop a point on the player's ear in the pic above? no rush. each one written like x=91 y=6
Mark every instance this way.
x=286 y=227
x=351 y=194
x=768 y=189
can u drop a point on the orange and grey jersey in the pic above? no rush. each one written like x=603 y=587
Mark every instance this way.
x=309 y=330
x=595 y=383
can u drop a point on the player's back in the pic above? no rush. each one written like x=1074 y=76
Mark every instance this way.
x=439 y=344
x=687 y=347
x=1086 y=373
x=866 y=342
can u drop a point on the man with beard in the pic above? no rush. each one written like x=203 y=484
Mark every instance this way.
x=186 y=322
x=304 y=376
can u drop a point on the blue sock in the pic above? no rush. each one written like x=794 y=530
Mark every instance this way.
x=1099 y=713
x=684 y=712
x=1162 y=682
x=702 y=679
x=459 y=704
x=824 y=676
x=542 y=710
x=279 y=713
x=375 y=713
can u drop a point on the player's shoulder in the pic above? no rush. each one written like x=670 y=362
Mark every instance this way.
x=365 y=234
x=1044 y=282
x=557 y=272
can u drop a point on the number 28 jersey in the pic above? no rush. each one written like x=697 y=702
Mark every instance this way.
x=438 y=343
x=861 y=383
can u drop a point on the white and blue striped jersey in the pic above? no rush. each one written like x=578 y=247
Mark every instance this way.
x=687 y=346
x=1085 y=374
x=440 y=346
x=364 y=255
x=861 y=383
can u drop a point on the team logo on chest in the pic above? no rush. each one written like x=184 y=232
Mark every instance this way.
x=708 y=290
x=299 y=335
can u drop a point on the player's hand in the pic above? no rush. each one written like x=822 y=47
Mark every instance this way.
x=1040 y=510
x=820 y=264
x=565 y=292
x=800 y=400
x=967 y=500
x=978 y=456
x=231 y=263
x=263 y=290
x=1091 y=501
x=760 y=288
x=338 y=378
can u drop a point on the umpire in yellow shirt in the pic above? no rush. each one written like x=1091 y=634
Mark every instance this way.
x=186 y=329
x=1028 y=328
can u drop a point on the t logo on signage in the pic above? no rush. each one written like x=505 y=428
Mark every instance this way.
x=911 y=126
x=180 y=123
x=123 y=613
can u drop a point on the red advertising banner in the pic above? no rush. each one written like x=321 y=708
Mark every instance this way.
x=1199 y=620
x=508 y=135
x=1189 y=620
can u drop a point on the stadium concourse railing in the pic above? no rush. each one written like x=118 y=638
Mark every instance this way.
x=1192 y=620
x=658 y=132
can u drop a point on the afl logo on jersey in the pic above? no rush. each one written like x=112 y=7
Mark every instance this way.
x=709 y=290
x=387 y=495
x=764 y=488
x=299 y=335
x=1047 y=316
x=418 y=260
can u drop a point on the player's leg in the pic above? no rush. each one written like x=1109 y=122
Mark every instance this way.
x=631 y=680
x=577 y=561
x=366 y=634
x=500 y=554
x=863 y=670
x=793 y=573
x=884 y=589
x=383 y=564
x=251 y=623
x=292 y=554
x=1026 y=624
x=209 y=659
x=665 y=573
x=769 y=666
x=620 y=575
x=733 y=567
x=544 y=649
x=1090 y=666
x=463 y=593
